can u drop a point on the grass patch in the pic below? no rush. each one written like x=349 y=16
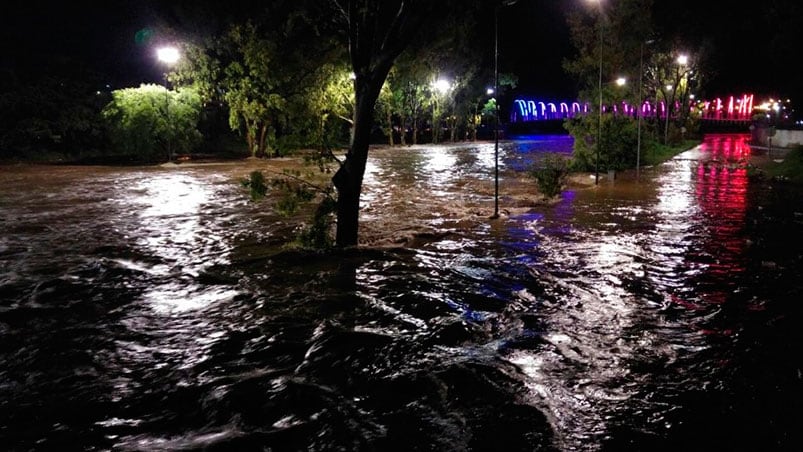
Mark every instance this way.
x=659 y=153
x=790 y=169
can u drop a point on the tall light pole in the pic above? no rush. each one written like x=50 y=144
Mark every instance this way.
x=496 y=103
x=639 y=112
x=599 y=87
x=169 y=56
x=682 y=60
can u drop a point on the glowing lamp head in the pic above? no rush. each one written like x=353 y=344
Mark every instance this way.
x=168 y=55
x=442 y=86
x=489 y=91
x=683 y=59
x=621 y=81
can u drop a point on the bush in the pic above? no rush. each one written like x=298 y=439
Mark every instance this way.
x=318 y=235
x=256 y=185
x=550 y=174
x=153 y=123
x=295 y=192
x=618 y=145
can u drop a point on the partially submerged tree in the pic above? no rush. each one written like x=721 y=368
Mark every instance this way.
x=378 y=31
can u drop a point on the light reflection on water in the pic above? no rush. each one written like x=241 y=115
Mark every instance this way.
x=170 y=207
x=611 y=320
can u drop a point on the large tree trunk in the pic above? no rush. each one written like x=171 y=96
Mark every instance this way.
x=348 y=179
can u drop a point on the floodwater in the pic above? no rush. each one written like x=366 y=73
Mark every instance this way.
x=156 y=309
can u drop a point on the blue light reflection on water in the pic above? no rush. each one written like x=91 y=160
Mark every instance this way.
x=525 y=150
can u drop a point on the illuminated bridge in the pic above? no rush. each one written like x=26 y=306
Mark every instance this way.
x=731 y=109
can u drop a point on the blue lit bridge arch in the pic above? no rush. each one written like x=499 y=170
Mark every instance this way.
x=731 y=108
x=531 y=110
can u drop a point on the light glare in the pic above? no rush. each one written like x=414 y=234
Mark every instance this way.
x=168 y=55
x=442 y=86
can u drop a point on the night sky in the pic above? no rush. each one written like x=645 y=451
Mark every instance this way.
x=752 y=48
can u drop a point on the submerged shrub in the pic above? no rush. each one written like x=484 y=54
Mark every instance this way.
x=550 y=174
x=318 y=235
x=256 y=185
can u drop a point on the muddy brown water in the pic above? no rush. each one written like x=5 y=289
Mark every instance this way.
x=154 y=308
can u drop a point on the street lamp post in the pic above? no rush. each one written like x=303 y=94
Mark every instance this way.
x=640 y=106
x=496 y=104
x=599 y=87
x=682 y=60
x=496 y=113
x=169 y=56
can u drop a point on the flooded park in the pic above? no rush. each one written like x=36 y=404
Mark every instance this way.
x=156 y=308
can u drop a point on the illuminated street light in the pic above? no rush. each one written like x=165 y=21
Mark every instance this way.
x=682 y=60
x=168 y=55
x=621 y=81
x=442 y=86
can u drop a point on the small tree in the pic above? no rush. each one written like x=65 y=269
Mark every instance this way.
x=152 y=122
x=618 y=147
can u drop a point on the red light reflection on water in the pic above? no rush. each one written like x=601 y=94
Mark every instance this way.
x=721 y=191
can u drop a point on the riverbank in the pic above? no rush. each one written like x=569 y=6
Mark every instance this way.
x=779 y=164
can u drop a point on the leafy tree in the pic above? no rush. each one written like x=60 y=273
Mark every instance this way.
x=671 y=82
x=268 y=70
x=334 y=100
x=248 y=88
x=389 y=106
x=441 y=99
x=152 y=122
x=609 y=41
x=408 y=84
x=622 y=37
